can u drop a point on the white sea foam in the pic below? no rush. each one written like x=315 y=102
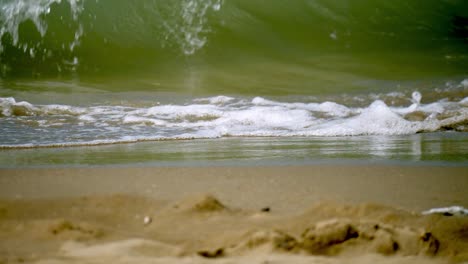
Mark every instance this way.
x=15 y=12
x=377 y=119
x=215 y=100
x=452 y=210
x=188 y=27
x=464 y=102
x=130 y=119
x=330 y=108
x=58 y=125
x=464 y=83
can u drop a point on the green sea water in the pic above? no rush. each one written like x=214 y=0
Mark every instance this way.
x=233 y=46
x=243 y=76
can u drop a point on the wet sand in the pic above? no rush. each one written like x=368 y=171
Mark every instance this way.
x=276 y=214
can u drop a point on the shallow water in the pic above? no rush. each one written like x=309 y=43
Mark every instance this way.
x=447 y=149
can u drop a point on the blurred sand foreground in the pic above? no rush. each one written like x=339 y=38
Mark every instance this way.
x=278 y=214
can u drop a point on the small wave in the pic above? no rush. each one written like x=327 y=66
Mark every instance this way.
x=95 y=142
x=31 y=125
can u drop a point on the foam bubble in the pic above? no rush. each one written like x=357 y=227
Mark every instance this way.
x=416 y=97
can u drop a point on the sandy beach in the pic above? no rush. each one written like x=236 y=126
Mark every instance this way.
x=274 y=214
x=233 y=132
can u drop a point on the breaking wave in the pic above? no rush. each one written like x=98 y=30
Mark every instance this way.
x=95 y=37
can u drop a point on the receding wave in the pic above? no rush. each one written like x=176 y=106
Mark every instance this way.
x=60 y=37
x=26 y=125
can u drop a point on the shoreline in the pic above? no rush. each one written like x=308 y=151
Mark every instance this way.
x=432 y=149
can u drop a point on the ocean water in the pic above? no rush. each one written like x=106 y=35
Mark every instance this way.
x=156 y=81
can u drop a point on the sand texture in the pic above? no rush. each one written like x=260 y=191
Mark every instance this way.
x=233 y=215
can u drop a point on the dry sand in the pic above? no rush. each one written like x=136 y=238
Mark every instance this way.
x=308 y=214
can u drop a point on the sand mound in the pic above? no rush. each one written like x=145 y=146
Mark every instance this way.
x=337 y=237
x=342 y=235
x=200 y=204
x=130 y=247
x=67 y=230
x=251 y=259
x=266 y=241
